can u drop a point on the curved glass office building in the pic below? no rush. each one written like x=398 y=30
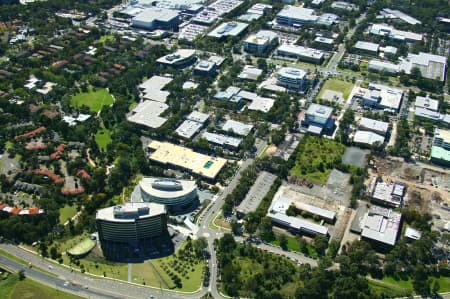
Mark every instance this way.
x=170 y=192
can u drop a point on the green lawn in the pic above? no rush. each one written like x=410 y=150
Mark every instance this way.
x=399 y=287
x=66 y=213
x=151 y=275
x=293 y=245
x=94 y=99
x=13 y=288
x=103 y=138
x=106 y=38
x=337 y=85
x=316 y=158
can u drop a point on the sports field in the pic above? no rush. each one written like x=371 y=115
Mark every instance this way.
x=94 y=99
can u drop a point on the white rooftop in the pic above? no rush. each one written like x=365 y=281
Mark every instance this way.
x=367 y=46
x=250 y=72
x=178 y=56
x=431 y=66
x=374 y=125
x=298 y=224
x=228 y=29
x=198 y=117
x=130 y=212
x=152 y=88
x=237 y=127
x=427 y=103
x=147 y=113
x=396 y=14
x=221 y=139
x=154 y=13
x=301 y=51
x=167 y=187
x=367 y=137
x=292 y=73
x=387 y=30
x=261 y=104
x=319 y=110
x=382 y=225
x=299 y=13
x=188 y=128
x=412 y=233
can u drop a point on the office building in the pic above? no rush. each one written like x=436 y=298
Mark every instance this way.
x=156 y=18
x=126 y=230
x=147 y=113
x=301 y=53
x=205 y=68
x=376 y=126
x=344 y=6
x=222 y=140
x=380 y=227
x=250 y=72
x=192 y=125
x=297 y=225
x=440 y=151
x=393 y=14
x=296 y=16
x=169 y=154
x=237 y=127
x=366 y=47
x=391 y=32
x=293 y=78
x=367 y=138
x=228 y=29
x=382 y=97
x=175 y=194
x=180 y=59
x=431 y=66
x=259 y=42
x=387 y=194
x=383 y=66
x=152 y=89
x=318 y=118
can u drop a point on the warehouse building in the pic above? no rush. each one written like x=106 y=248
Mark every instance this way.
x=156 y=18
x=388 y=194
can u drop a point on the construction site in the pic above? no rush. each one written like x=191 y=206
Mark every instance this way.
x=428 y=186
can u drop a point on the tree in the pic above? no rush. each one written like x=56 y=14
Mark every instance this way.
x=421 y=283
x=265 y=228
x=321 y=244
x=21 y=274
x=53 y=253
x=283 y=242
x=200 y=245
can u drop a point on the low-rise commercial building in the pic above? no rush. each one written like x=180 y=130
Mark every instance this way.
x=147 y=113
x=177 y=156
x=296 y=16
x=344 y=5
x=126 y=230
x=383 y=66
x=301 y=53
x=223 y=140
x=393 y=14
x=297 y=225
x=259 y=42
x=237 y=127
x=152 y=89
